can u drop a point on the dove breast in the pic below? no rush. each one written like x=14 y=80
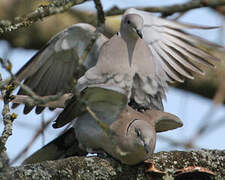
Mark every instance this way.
x=112 y=68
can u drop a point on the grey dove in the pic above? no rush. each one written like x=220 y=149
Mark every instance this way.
x=133 y=134
x=141 y=58
x=129 y=136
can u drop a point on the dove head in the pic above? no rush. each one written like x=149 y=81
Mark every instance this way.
x=131 y=26
x=144 y=135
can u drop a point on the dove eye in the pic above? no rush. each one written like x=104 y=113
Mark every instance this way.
x=138 y=132
x=128 y=22
x=128 y=128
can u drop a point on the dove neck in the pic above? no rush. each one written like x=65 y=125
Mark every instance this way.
x=131 y=43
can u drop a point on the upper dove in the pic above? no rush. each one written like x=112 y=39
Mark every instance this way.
x=141 y=58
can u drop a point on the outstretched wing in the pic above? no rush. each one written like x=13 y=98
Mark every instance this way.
x=64 y=58
x=173 y=48
x=163 y=121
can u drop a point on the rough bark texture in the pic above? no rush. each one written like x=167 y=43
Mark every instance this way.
x=88 y=168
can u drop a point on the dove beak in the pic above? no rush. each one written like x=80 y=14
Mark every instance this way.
x=147 y=148
x=139 y=33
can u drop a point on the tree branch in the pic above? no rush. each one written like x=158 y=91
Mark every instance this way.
x=173 y=8
x=53 y=101
x=100 y=15
x=98 y=168
x=8 y=118
x=38 y=14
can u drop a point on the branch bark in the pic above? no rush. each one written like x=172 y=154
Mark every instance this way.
x=98 y=168
x=168 y=10
x=100 y=15
x=66 y=19
x=36 y=15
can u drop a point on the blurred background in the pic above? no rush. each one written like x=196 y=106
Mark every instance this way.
x=198 y=103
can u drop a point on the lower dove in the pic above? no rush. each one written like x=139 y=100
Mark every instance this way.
x=131 y=137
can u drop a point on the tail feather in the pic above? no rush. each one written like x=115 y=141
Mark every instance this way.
x=66 y=145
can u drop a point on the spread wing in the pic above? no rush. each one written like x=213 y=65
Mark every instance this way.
x=174 y=49
x=64 y=58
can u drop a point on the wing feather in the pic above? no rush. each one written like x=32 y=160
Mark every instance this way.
x=180 y=58
x=172 y=62
x=166 y=68
x=52 y=69
x=174 y=48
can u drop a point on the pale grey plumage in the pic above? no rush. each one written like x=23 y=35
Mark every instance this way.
x=131 y=138
x=135 y=134
x=111 y=68
x=172 y=48
x=144 y=80
x=125 y=61
x=147 y=53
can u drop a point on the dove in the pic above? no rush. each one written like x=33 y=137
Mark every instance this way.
x=121 y=60
x=112 y=126
x=132 y=141
x=142 y=58
x=146 y=54
x=103 y=121
x=135 y=134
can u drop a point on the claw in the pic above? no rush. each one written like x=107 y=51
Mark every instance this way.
x=152 y=170
x=194 y=172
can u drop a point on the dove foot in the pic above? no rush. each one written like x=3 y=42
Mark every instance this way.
x=152 y=171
